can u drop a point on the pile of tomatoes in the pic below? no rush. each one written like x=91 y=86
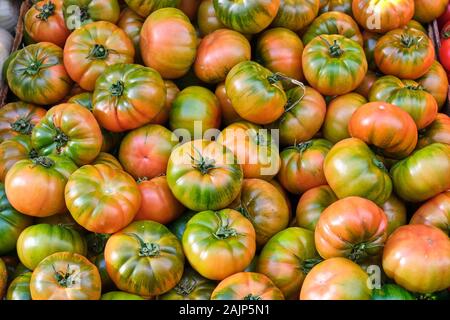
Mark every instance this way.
x=218 y=149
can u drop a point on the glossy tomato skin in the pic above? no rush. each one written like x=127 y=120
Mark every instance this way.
x=254 y=149
x=145 y=152
x=438 y=131
x=68 y=130
x=145 y=7
x=370 y=41
x=302 y=120
x=218 y=52
x=365 y=86
x=246 y=17
x=207 y=19
x=435 y=82
x=120 y=295
x=435 y=212
x=19 y=118
x=102 y=198
x=43 y=180
x=428 y=10
x=107 y=158
x=403 y=258
x=340 y=62
x=90 y=11
x=192 y=286
x=131 y=22
x=13 y=150
x=336 y=279
x=409 y=96
x=247 y=286
x=265 y=206
x=302 y=165
x=391 y=292
x=93 y=48
x=396 y=213
x=204 y=175
x=171 y=93
x=287 y=258
x=397 y=53
x=158 y=203
x=391 y=14
x=280 y=50
x=295 y=14
x=37 y=74
x=168 y=43
x=424 y=174
x=19 y=289
x=255 y=93
x=229 y=115
x=339 y=113
x=44 y=22
x=218 y=244
x=352 y=169
x=311 y=205
x=386 y=127
x=444 y=50
x=145 y=259
x=344 y=6
x=39 y=241
x=128 y=96
x=65 y=276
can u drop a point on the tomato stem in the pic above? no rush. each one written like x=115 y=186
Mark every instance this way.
x=334 y=49
x=148 y=249
x=224 y=231
x=359 y=251
x=204 y=164
x=61 y=139
x=64 y=279
x=33 y=154
x=142 y=179
x=244 y=211
x=251 y=297
x=303 y=146
x=98 y=51
x=43 y=161
x=408 y=40
x=33 y=68
x=308 y=264
x=47 y=10
x=23 y=126
x=185 y=286
x=117 y=88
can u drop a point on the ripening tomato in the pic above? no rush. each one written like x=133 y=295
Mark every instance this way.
x=365 y=86
x=107 y=158
x=178 y=226
x=218 y=244
x=395 y=211
x=435 y=212
x=437 y=131
x=131 y=22
x=102 y=198
x=93 y=48
x=207 y=20
x=344 y=6
x=42 y=180
x=192 y=286
x=145 y=7
x=405 y=53
x=428 y=10
x=168 y=43
x=247 y=286
x=352 y=169
x=78 y=13
x=435 y=82
x=65 y=276
x=229 y=115
x=100 y=263
x=120 y=295
x=296 y=14
x=370 y=41
x=417 y=257
x=286 y=259
x=336 y=279
x=19 y=289
x=391 y=292
x=13 y=150
x=171 y=93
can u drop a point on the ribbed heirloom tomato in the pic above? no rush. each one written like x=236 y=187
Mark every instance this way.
x=229 y=115
x=192 y=286
x=78 y=13
x=171 y=93
x=145 y=7
x=296 y=14
x=107 y=158
x=435 y=212
x=395 y=211
x=207 y=20
x=428 y=10
x=131 y=22
x=19 y=289
x=435 y=82
x=370 y=41
x=437 y=131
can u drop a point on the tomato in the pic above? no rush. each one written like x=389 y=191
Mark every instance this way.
x=403 y=258
x=339 y=113
x=353 y=227
x=311 y=205
x=65 y=276
x=93 y=48
x=409 y=96
x=303 y=118
x=78 y=13
x=204 y=175
x=39 y=241
x=336 y=279
x=435 y=82
x=352 y=169
x=365 y=86
x=171 y=93
x=158 y=203
x=178 y=226
x=207 y=19
x=131 y=22
x=435 y=212
x=444 y=18
x=247 y=16
x=296 y=14
x=344 y=6
x=247 y=286
x=395 y=211
x=370 y=40
x=229 y=115
x=383 y=16
x=218 y=244
x=333 y=23
x=43 y=180
x=19 y=289
x=37 y=74
x=100 y=263
x=128 y=96
x=145 y=7
x=106 y=158
x=287 y=258
x=438 y=131
x=391 y=292
x=3 y=278
x=62 y=219
x=168 y=43
x=194 y=111
x=302 y=165
x=254 y=149
x=334 y=65
x=145 y=259
x=101 y=198
x=192 y=286
x=424 y=174
x=190 y=7
x=444 y=50
x=428 y=10
x=120 y=295
x=44 y=22
x=399 y=51
x=218 y=52
x=255 y=92
x=13 y=150
x=69 y=130
x=386 y=127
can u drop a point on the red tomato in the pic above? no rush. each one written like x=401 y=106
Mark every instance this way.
x=444 y=51
x=445 y=17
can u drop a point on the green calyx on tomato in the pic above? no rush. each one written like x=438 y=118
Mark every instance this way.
x=185 y=286
x=308 y=264
x=22 y=126
x=98 y=51
x=409 y=40
x=224 y=231
x=61 y=139
x=34 y=68
x=203 y=164
x=43 y=161
x=117 y=88
x=359 y=251
x=47 y=10
x=251 y=297
x=335 y=48
x=147 y=249
x=65 y=278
